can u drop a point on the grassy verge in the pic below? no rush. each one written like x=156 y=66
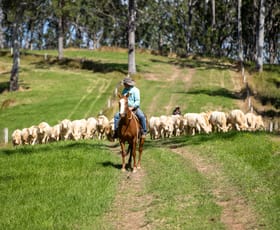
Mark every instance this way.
x=251 y=161
x=70 y=185
x=56 y=186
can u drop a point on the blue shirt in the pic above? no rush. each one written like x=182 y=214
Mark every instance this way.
x=134 y=96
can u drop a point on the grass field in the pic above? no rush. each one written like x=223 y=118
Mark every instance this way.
x=73 y=185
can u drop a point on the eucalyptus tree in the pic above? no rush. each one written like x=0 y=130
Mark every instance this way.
x=249 y=12
x=105 y=22
x=151 y=24
x=131 y=36
x=272 y=35
x=16 y=46
x=63 y=13
x=35 y=17
x=1 y=26
x=14 y=12
x=260 y=37
x=239 y=30
x=178 y=18
x=15 y=16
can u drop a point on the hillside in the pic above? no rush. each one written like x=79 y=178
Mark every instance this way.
x=215 y=85
x=206 y=181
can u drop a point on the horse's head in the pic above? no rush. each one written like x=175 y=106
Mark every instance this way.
x=123 y=104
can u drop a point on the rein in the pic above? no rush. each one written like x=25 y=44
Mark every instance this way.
x=129 y=118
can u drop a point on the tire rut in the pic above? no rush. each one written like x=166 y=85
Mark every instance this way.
x=236 y=212
x=131 y=203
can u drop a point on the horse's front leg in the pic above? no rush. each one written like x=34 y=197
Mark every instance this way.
x=123 y=155
x=130 y=155
x=141 y=144
x=134 y=145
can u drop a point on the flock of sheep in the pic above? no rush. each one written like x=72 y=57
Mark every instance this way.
x=163 y=126
x=65 y=130
x=214 y=121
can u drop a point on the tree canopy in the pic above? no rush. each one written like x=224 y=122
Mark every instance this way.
x=182 y=26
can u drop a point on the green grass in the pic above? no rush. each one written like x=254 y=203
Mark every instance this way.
x=251 y=161
x=211 y=89
x=70 y=185
x=53 y=95
x=56 y=186
x=181 y=196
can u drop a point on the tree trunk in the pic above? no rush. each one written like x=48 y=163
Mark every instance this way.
x=213 y=14
x=16 y=45
x=272 y=48
x=131 y=36
x=204 y=27
x=240 y=44
x=273 y=30
x=60 y=31
x=189 y=32
x=60 y=38
x=260 y=39
x=1 y=29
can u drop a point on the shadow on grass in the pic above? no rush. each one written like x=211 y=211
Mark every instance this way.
x=187 y=140
x=196 y=63
x=172 y=143
x=4 y=86
x=57 y=146
x=221 y=92
x=70 y=63
x=111 y=165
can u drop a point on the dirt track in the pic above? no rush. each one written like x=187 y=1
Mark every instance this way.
x=130 y=206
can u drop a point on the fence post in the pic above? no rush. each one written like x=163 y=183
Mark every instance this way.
x=276 y=126
x=243 y=74
x=109 y=103
x=271 y=126
x=249 y=102
x=6 y=135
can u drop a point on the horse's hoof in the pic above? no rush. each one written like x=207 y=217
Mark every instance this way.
x=123 y=170
x=138 y=167
x=134 y=170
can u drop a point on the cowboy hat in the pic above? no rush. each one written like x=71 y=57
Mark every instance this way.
x=128 y=81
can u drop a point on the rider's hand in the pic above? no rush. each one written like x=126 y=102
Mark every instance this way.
x=130 y=108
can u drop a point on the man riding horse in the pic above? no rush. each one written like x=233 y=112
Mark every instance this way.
x=133 y=104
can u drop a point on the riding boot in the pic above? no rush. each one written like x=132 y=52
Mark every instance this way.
x=143 y=134
x=142 y=130
x=115 y=136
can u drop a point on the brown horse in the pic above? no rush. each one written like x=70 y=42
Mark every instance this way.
x=129 y=131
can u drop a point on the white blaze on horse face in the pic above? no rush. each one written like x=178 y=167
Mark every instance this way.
x=122 y=106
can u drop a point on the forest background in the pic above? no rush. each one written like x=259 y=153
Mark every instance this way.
x=246 y=30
